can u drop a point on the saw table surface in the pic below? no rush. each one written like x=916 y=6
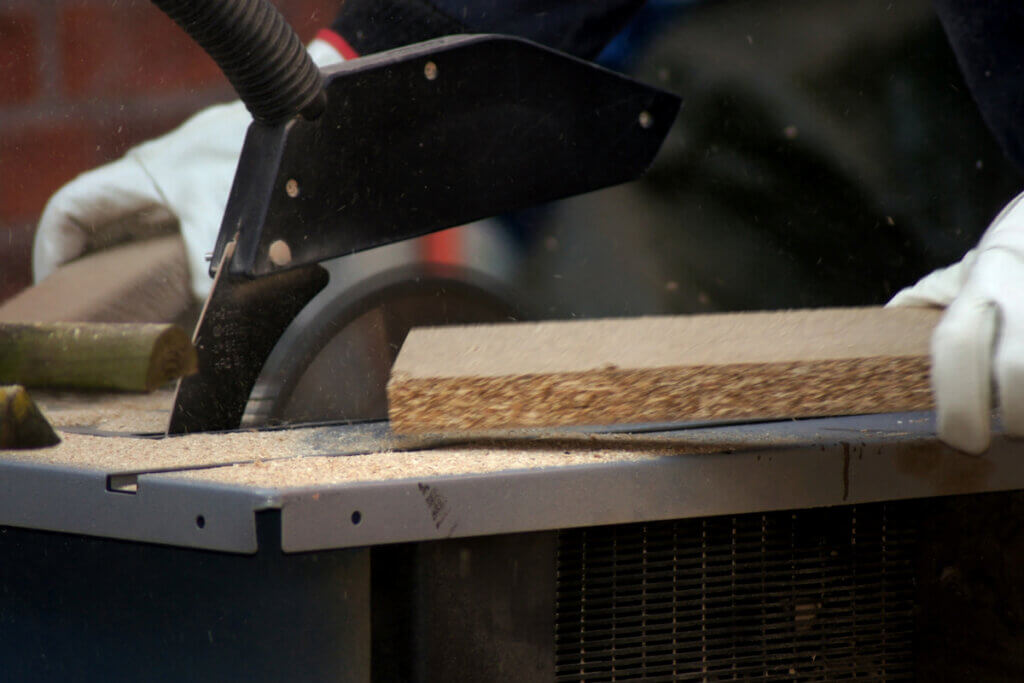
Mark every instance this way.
x=114 y=475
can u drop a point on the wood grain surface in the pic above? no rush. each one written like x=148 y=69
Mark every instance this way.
x=663 y=369
x=144 y=281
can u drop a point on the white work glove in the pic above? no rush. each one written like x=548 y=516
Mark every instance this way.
x=981 y=337
x=187 y=172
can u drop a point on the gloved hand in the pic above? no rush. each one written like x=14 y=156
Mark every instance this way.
x=187 y=172
x=981 y=337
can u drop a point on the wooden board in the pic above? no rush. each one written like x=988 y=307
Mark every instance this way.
x=138 y=282
x=663 y=369
x=95 y=356
x=22 y=425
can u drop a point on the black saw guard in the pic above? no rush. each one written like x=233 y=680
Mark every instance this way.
x=239 y=326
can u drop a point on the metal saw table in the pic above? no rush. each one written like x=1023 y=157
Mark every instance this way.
x=262 y=555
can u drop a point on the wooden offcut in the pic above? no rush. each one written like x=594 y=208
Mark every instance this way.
x=663 y=369
x=95 y=356
x=22 y=424
x=145 y=281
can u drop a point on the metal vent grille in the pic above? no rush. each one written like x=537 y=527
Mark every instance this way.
x=812 y=595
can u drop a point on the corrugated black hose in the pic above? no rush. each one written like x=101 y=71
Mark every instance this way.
x=259 y=53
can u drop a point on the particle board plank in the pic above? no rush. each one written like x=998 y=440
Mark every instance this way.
x=764 y=365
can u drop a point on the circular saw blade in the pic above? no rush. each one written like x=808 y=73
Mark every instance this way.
x=333 y=362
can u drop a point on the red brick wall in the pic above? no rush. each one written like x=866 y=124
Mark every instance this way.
x=81 y=81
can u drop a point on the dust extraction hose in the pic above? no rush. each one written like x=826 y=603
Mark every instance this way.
x=259 y=53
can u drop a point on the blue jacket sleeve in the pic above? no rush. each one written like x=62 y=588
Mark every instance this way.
x=579 y=27
x=988 y=39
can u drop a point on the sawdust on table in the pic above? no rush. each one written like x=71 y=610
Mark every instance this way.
x=292 y=458
x=275 y=459
x=392 y=466
x=125 y=454
x=486 y=455
x=127 y=413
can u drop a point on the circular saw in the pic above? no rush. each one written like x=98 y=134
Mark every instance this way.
x=342 y=162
